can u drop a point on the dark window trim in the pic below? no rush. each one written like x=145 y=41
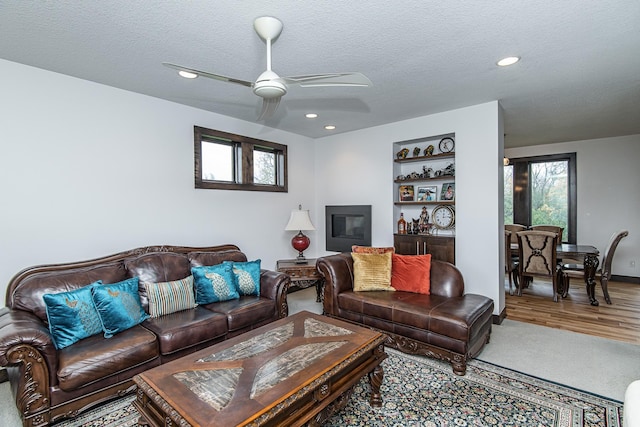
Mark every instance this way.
x=522 y=190
x=246 y=145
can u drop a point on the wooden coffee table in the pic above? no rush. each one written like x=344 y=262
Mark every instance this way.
x=295 y=371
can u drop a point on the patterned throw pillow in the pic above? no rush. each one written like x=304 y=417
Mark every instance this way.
x=72 y=316
x=119 y=306
x=170 y=297
x=371 y=250
x=247 y=276
x=411 y=273
x=214 y=283
x=372 y=272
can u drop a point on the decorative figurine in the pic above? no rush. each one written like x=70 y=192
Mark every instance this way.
x=402 y=154
x=427 y=172
x=416 y=152
x=415 y=226
x=429 y=150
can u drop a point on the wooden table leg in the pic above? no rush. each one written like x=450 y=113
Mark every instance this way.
x=590 y=266
x=375 y=381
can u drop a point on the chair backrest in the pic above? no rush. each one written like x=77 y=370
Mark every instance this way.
x=607 y=257
x=507 y=251
x=537 y=250
x=514 y=228
x=552 y=228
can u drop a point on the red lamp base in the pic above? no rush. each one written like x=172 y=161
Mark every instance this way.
x=300 y=243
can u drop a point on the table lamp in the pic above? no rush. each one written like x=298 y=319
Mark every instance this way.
x=300 y=221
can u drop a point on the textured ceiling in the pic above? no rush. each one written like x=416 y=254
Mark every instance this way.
x=579 y=77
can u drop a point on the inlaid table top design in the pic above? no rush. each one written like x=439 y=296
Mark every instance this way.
x=295 y=371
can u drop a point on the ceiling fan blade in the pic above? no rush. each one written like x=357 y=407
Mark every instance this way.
x=208 y=75
x=269 y=107
x=330 y=79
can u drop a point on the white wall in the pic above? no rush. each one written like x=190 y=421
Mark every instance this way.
x=608 y=196
x=88 y=170
x=357 y=168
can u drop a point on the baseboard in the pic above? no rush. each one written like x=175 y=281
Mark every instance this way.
x=3 y=375
x=626 y=279
x=498 y=318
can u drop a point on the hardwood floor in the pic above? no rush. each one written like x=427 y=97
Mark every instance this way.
x=618 y=321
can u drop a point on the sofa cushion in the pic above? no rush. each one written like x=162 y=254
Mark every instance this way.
x=154 y=267
x=200 y=259
x=187 y=328
x=411 y=273
x=27 y=295
x=247 y=276
x=245 y=312
x=372 y=272
x=118 y=305
x=169 y=297
x=214 y=283
x=456 y=317
x=72 y=316
x=96 y=358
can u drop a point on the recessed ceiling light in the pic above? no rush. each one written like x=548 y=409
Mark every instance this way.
x=187 y=75
x=311 y=115
x=329 y=127
x=509 y=60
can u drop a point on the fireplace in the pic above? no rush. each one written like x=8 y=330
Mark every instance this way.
x=347 y=226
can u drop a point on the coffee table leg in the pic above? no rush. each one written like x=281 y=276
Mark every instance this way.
x=375 y=380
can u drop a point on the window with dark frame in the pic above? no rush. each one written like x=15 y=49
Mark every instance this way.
x=542 y=190
x=234 y=162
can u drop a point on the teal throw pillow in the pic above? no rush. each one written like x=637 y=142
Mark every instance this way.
x=72 y=316
x=170 y=297
x=119 y=306
x=214 y=283
x=247 y=276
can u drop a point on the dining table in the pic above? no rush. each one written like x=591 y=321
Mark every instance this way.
x=589 y=254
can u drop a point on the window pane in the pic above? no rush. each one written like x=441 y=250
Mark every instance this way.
x=549 y=193
x=508 y=194
x=264 y=167
x=217 y=161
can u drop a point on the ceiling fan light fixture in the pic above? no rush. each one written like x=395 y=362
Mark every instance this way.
x=187 y=74
x=269 y=89
x=509 y=60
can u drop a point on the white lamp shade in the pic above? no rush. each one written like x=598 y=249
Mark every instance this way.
x=299 y=221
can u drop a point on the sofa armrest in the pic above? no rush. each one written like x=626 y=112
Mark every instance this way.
x=274 y=286
x=25 y=342
x=446 y=279
x=337 y=272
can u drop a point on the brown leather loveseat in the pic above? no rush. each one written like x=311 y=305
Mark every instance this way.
x=447 y=324
x=50 y=384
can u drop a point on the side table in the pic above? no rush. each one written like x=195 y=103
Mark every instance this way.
x=302 y=275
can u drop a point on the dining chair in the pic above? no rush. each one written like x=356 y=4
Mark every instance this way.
x=510 y=263
x=537 y=255
x=514 y=228
x=604 y=272
x=551 y=228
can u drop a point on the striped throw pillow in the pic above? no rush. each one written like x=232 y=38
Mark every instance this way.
x=170 y=297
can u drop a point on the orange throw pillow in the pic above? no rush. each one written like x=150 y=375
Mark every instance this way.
x=371 y=250
x=411 y=273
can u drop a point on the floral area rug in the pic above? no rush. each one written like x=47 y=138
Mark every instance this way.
x=418 y=391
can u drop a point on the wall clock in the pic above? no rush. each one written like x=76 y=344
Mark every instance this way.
x=443 y=217
x=446 y=145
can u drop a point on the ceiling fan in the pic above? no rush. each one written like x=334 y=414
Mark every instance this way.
x=270 y=86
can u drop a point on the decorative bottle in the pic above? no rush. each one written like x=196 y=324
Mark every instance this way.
x=402 y=225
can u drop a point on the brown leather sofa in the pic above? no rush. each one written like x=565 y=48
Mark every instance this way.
x=50 y=384
x=447 y=324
